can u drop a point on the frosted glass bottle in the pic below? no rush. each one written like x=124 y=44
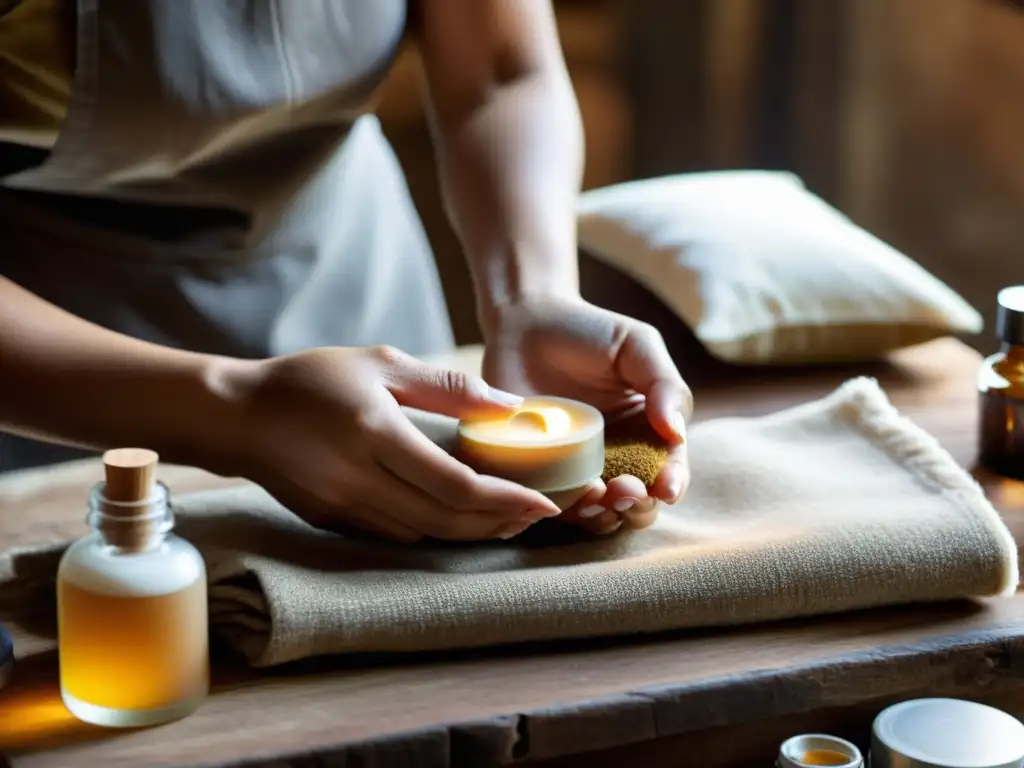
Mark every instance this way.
x=131 y=605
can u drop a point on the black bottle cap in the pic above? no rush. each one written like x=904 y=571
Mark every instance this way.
x=6 y=657
x=1010 y=315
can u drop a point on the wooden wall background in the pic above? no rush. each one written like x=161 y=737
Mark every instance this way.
x=933 y=155
x=906 y=114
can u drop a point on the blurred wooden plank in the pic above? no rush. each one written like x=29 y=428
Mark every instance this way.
x=664 y=44
x=816 y=135
x=861 y=157
x=932 y=122
x=734 y=30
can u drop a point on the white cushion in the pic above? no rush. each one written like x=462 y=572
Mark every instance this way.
x=765 y=272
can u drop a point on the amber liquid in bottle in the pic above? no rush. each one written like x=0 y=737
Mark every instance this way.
x=132 y=614
x=1001 y=387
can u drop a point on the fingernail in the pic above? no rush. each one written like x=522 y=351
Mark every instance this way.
x=675 y=490
x=608 y=523
x=540 y=514
x=503 y=397
x=623 y=504
x=511 y=530
x=592 y=511
x=679 y=425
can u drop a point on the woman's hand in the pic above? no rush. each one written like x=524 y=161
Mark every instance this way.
x=325 y=434
x=568 y=348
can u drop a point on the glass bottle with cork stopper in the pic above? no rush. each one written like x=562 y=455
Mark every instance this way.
x=131 y=605
x=1001 y=384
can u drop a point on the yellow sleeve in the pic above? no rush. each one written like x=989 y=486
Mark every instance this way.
x=37 y=64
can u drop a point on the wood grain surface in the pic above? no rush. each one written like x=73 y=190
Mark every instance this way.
x=541 y=702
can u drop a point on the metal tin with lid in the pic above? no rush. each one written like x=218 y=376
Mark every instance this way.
x=1010 y=315
x=946 y=733
x=6 y=657
x=817 y=749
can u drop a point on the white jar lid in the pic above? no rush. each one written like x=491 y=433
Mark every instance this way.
x=946 y=733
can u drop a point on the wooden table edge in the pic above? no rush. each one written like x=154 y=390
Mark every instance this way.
x=954 y=665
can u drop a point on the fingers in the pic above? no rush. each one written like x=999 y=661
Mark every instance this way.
x=623 y=493
x=408 y=454
x=628 y=497
x=642 y=515
x=623 y=502
x=316 y=511
x=381 y=524
x=423 y=513
x=589 y=506
x=590 y=512
x=416 y=384
x=667 y=402
x=645 y=365
x=674 y=477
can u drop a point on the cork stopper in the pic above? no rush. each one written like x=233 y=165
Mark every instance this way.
x=130 y=498
x=130 y=474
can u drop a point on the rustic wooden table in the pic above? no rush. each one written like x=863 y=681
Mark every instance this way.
x=695 y=698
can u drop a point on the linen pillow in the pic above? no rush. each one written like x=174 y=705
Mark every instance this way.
x=765 y=272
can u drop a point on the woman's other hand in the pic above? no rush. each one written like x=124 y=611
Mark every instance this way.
x=566 y=347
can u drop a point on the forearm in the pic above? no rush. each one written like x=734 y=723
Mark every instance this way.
x=66 y=380
x=511 y=168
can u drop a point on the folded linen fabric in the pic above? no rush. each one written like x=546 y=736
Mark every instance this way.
x=834 y=505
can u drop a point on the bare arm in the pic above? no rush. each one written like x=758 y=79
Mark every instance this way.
x=65 y=380
x=322 y=430
x=510 y=144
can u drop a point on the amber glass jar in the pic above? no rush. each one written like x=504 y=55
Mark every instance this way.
x=1001 y=387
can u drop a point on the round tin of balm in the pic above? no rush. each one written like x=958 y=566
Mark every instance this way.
x=814 y=749
x=946 y=733
x=550 y=444
x=6 y=657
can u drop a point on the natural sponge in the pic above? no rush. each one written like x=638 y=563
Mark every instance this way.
x=640 y=457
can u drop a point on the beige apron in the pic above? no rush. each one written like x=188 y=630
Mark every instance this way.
x=218 y=185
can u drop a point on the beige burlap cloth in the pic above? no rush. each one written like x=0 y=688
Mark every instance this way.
x=831 y=506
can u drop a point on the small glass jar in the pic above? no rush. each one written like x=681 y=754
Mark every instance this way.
x=815 y=749
x=1001 y=391
x=132 y=615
